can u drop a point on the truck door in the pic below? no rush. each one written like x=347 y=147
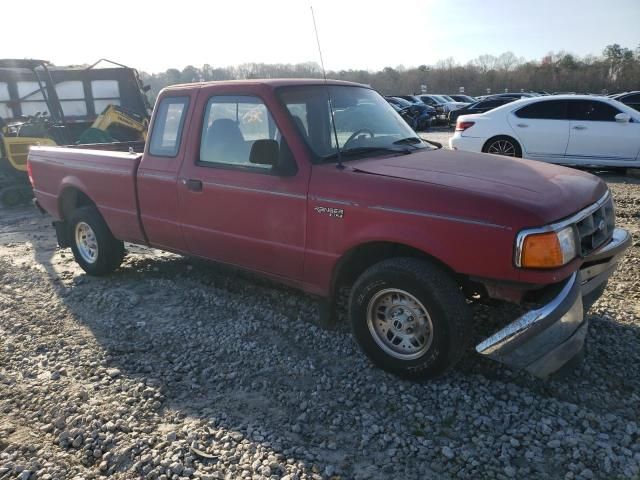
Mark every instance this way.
x=235 y=211
x=158 y=173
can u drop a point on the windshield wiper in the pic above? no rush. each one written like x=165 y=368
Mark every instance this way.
x=408 y=141
x=414 y=141
x=363 y=150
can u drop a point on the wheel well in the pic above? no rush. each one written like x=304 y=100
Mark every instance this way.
x=70 y=200
x=353 y=263
x=515 y=141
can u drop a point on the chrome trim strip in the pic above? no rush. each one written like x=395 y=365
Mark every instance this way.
x=522 y=325
x=332 y=200
x=439 y=216
x=255 y=190
x=555 y=227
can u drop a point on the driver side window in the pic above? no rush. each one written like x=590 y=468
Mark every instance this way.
x=231 y=126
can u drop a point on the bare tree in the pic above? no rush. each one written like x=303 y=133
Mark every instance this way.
x=618 y=68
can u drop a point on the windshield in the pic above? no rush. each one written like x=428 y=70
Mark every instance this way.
x=434 y=98
x=402 y=101
x=440 y=98
x=447 y=98
x=366 y=124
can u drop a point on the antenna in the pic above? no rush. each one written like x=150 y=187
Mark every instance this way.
x=324 y=74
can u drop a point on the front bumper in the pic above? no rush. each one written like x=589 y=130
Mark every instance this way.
x=542 y=340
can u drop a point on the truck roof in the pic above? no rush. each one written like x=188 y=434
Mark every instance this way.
x=271 y=82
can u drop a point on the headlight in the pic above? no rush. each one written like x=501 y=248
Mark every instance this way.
x=545 y=249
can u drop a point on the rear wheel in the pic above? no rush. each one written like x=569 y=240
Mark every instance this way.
x=503 y=145
x=410 y=317
x=95 y=249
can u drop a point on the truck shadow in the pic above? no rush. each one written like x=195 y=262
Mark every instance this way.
x=233 y=353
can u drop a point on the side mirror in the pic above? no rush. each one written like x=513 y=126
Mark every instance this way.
x=623 y=118
x=269 y=152
x=264 y=152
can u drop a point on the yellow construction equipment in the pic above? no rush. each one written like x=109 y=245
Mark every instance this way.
x=47 y=105
x=116 y=124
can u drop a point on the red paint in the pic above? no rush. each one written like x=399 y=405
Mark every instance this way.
x=464 y=209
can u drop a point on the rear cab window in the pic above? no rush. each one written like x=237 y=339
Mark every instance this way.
x=167 y=126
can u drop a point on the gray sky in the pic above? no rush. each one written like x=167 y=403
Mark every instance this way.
x=156 y=35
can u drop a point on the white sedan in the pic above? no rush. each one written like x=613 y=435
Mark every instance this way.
x=569 y=129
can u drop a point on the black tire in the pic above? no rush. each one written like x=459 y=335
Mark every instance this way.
x=503 y=138
x=109 y=252
x=440 y=296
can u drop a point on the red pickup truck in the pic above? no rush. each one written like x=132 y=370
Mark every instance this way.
x=323 y=186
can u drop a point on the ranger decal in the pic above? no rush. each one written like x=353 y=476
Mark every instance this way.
x=332 y=212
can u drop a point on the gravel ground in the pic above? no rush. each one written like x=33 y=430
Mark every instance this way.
x=172 y=368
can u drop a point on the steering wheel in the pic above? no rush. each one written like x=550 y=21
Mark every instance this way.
x=356 y=133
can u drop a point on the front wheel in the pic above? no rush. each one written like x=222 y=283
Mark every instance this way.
x=94 y=247
x=410 y=317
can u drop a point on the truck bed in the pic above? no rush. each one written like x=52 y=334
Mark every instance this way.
x=107 y=178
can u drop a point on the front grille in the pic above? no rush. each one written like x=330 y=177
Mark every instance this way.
x=596 y=228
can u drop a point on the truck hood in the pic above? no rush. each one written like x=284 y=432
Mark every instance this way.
x=543 y=191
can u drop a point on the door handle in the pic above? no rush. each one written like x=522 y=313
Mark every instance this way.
x=579 y=127
x=192 y=185
x=522 y=125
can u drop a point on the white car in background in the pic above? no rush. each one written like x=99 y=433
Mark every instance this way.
x=568 y=129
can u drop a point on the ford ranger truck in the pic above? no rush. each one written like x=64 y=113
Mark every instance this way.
x=322 y=186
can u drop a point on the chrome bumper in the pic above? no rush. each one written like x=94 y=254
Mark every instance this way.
x=543 y=340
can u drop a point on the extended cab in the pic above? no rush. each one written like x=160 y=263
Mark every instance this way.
x=323 y=186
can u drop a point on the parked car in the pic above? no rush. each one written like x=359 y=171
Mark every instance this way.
x=442 y=106
x=632 y=99
x=249 y=174
x=405 y=112
x=568 y=129
x=451 y=100
x=458 y=97
x=424 y=114
x=479 y=107
x=438 y=106
x=411 y=99
x=515 y=95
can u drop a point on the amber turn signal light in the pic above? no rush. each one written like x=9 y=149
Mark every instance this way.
x=550 y=249
x=541 y=251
